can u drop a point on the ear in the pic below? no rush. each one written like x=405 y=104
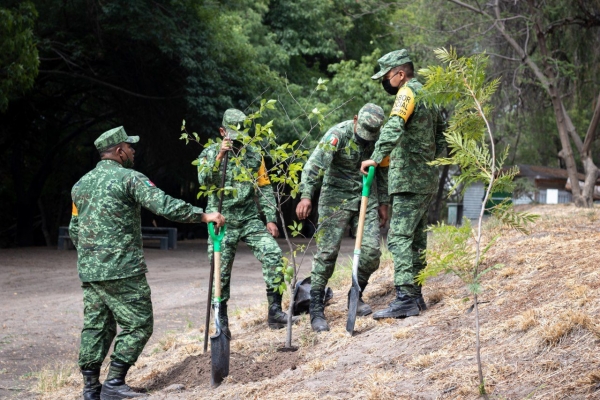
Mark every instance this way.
x=222 y=131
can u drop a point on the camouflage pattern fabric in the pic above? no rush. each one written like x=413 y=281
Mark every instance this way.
x=106 y=225
x=413 y=136
x=390 y=60
x=335 y=221
x=239 y=204
x=113 y=137
x=241 y=212
x=263 y=246
x=407 y=238
x=107 y=303
x=335 y=163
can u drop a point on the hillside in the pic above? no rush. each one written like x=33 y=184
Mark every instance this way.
x=540 y=334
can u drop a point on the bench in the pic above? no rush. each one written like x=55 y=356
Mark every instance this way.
x=162 y=233
x=64 y=240
x=166 y=236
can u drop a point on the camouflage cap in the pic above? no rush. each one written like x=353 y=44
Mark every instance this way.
x=370 y=119
x=235 y=117
x=391 y=60
x=113 y=137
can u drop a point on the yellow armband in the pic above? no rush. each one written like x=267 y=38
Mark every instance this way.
x=404 y=104
x=74 y=211
x=263 y=178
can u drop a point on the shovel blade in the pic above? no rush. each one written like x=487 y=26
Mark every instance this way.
x=219 y=355
x=352 y=305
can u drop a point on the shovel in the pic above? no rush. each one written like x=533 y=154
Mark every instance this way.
x=219 y=342
x=212 y=264
x=355 y=289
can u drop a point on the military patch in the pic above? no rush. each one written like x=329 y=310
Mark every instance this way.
x=385 y=162
x=149 y=183
x=74 y=211
x=404 y=104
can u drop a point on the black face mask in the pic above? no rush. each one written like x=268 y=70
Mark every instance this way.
x=361 y=141
x=387 y=86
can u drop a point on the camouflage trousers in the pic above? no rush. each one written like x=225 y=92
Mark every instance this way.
x=407 y=238
x=125 y=302
x=334 y=222
x=263 y=246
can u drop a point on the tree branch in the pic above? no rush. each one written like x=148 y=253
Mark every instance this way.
x=591 y=132
x=72 y=75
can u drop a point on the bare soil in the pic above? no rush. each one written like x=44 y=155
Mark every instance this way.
x=41 y=309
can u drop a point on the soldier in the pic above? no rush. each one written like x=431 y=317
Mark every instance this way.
x=412 y=137
x=106 y=230
x=336 y=163
x=243 y=222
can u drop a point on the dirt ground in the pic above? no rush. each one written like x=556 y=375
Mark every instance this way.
x=41 y=307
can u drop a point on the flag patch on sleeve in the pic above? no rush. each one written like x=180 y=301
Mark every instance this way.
x=334 y=141
x=149 y=183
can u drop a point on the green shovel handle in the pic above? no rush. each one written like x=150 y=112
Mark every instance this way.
x=367 y=180
x=216 y=238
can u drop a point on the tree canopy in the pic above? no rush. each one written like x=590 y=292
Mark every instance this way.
x=71 y=70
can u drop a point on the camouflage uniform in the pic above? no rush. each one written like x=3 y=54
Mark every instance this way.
x=240 y=210
x=336 y=162
x=412 y=137
x=106 y=230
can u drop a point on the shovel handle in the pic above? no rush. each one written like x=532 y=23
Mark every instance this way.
x=367 y=180
x=217 y=258
x=217 y=238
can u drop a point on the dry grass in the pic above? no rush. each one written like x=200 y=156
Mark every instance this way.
x=539 y=336
x=56 y=376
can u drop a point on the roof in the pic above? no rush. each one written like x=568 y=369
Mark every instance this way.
x=541 y=172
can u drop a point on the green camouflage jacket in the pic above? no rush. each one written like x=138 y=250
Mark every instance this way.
x=336 y=162
x=105 y=223
x=238 y=204
x=413 y=136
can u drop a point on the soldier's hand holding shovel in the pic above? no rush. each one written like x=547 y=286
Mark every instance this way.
x=215 y=217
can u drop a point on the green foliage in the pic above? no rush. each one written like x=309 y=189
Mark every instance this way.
x=462 y=83
x=451 y=250
x=18 y=54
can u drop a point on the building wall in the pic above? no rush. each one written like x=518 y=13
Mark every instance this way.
x=472 y=200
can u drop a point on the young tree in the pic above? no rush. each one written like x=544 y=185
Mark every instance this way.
x=286 y=161
x=462 y=83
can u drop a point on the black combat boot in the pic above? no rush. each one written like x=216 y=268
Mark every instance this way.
x=362 y=308
x=114 y=387
x=420 y=300
x=403 y=306
x=317 y=316
x=91 y=384
x=224 y=319
x=277 y=319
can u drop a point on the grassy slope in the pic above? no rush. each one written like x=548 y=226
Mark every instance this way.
x=540 y=332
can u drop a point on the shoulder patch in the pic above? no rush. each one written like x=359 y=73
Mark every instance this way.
x=331 y=139
x=385 y=162
x=149 y=183
x=74 y=211
x=404 y=104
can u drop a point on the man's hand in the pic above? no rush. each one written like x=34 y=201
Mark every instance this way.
x=272 y=228
x=383 y=215
x=225 y=147
x=364 y=167
x=303 y=209
x=215 y=217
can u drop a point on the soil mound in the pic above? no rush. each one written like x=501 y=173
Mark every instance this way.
x=195 y=370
